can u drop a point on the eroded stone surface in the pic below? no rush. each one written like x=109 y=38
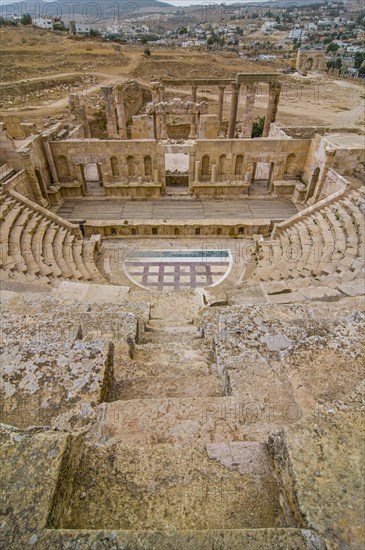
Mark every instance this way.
x=322 y=466
x=31 y=467
x=44 y=380
x=172 y=487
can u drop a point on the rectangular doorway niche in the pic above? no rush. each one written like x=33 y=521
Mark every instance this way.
x=177 y=169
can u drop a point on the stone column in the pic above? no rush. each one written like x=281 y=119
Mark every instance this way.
x=234 y=106
x=193 y=120
x=78 y=109
x=163 y=128
x=328 y=160
x=51 y=164
x=221 y=90
x=162 y=170
x=83 y=118
x=249 y=111
x=119 y=102
x=197 y=171
x=111 y=119
x=156 y=99
x=214 y=173
x=81 y=177
x=163 y=123
x=272 y=107
x=162 y=93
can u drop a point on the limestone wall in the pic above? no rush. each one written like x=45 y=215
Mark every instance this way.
x=8 y=151
x=20 y=182
x=284 y=154
x=347 y=161
x=134 y=97
x=333 y=183
x=119 y=161
x=181 y=228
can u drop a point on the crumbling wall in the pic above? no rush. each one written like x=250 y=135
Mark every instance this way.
x=135 y=96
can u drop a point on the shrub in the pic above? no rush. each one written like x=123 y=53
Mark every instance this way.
x=258 y=127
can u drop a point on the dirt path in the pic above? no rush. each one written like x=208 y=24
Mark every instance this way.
x=54 y=106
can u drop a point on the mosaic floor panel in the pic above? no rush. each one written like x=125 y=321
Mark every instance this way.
x=168 y=270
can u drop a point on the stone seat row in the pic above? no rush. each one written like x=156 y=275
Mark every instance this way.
x=326 y=246
x=34 y=248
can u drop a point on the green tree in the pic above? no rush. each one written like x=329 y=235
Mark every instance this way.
x=332 y=47
x=359 y=58
x=258 y=127
x=26 y=19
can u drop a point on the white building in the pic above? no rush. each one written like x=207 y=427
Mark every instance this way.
x=43 y=23
x=268 y=27
x=82 y=29
x=297 y=33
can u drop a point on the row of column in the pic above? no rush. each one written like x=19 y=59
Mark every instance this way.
x=247 y=123
x=116 y=123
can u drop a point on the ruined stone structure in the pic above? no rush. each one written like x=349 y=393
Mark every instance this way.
x=310 y=60
x=182 y=371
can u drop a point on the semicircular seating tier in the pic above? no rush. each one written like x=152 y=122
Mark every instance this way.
x=34 y=247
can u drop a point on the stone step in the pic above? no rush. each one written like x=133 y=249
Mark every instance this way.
x=26 y=244
x=78 y=259
x=222 y=539
x=37 y=248
x=149 y=380
x=129 y=368
x=177 y=330
x=172 y=487
x=47 y=249
x=167 y=323
x=187 y=419
x=67 y=251
x=6 y=205
x=180 y=351
x=88 y=256
x=168 y=386
x=58 y=253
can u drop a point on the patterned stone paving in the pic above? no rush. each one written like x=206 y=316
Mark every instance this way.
x=167 y=270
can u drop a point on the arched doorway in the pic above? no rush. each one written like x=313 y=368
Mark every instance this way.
x=309 y=64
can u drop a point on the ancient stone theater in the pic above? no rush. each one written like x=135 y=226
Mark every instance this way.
x=181 y=325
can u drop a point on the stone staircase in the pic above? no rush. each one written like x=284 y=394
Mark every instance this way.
x=38 y=247
x=322 y=248
x=174 y=464
x=143 y=441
